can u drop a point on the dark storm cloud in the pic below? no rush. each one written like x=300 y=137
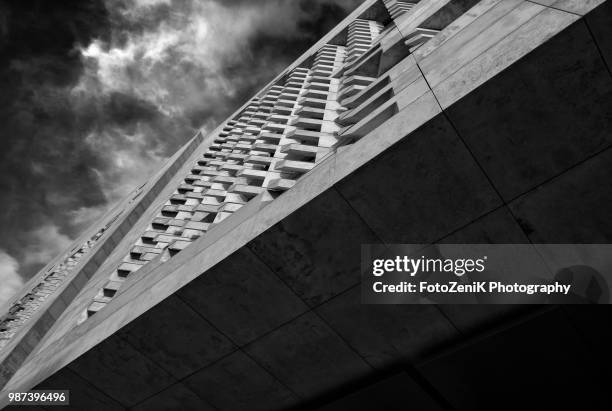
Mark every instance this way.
x=39 y=133
x=94 y=94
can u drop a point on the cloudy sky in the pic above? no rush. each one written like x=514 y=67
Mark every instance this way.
x=94 y=94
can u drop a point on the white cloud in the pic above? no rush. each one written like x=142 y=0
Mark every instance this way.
x=10 y=280
x=150 y=3
x=111 y=64
x=45 y=243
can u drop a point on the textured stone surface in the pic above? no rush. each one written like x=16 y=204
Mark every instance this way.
x=519 y=42
x=307 y=344
x=474 y=39
x=121 y=372
x=571 y=6
x=386 y=334
x=83 y=394
x=422 y=188
x=576 y=198
x=496 y=227
x=309 y=249
x=177 y=397
x=600 y=23
x=177 y=338
x=242 y=297
x=541 y=116
x=237 y=383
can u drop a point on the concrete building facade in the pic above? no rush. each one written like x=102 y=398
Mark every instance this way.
x=230 y=280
